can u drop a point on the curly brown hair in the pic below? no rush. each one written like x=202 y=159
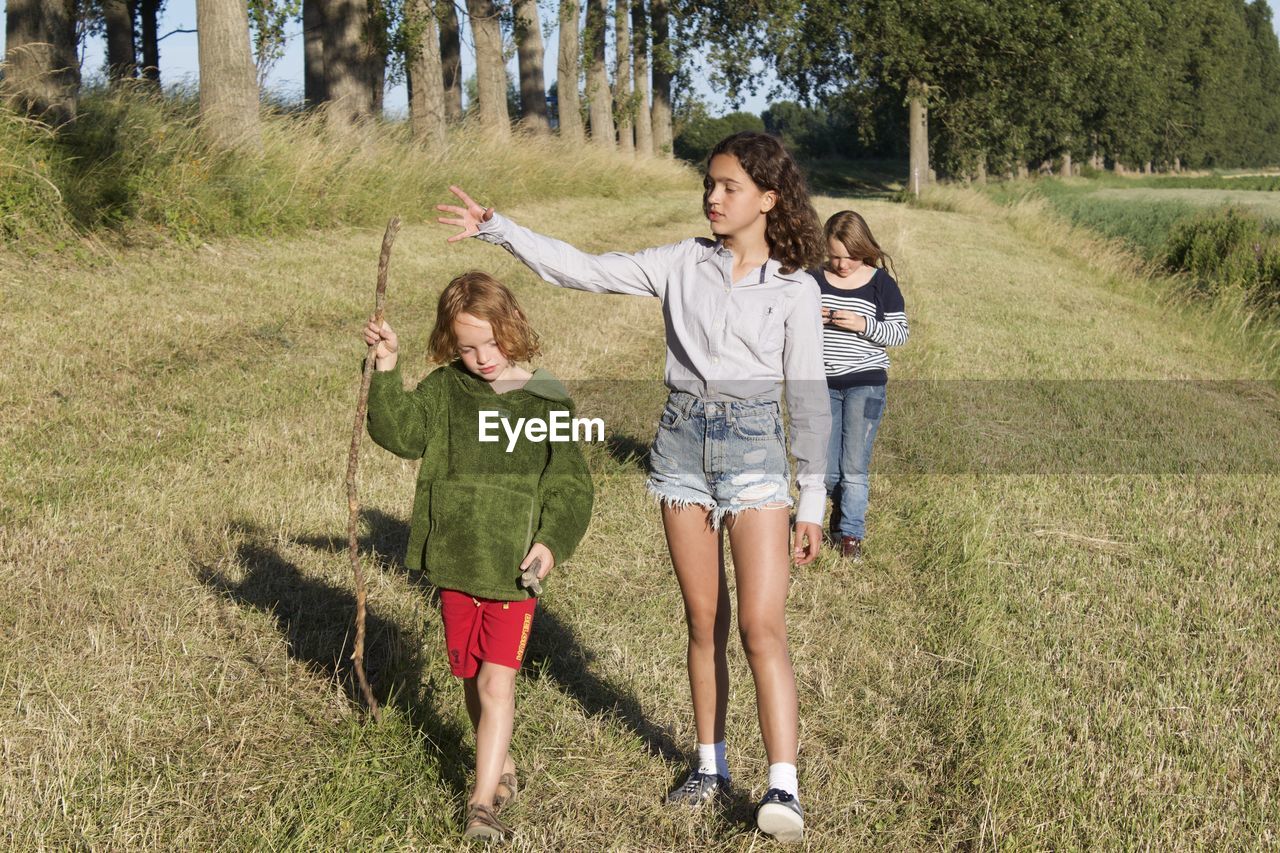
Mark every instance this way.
x=481 y=295
x=791 y=229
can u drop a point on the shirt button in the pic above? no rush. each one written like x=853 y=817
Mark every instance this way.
x=715 y=360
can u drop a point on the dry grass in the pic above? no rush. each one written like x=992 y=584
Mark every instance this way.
x=1076 y=660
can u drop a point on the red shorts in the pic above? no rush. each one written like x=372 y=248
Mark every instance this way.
x=481 y=629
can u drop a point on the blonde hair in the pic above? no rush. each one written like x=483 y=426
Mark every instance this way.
x=481 y=295
x=852 y=231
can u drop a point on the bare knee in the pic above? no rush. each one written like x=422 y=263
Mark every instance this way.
x=708 y=626
x=762 y=636
x=496 y=686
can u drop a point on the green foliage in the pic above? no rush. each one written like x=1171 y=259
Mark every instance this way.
x=1021 y=82
x=1220 y=250
x=30 y=200
x=1142 y=223
x=1225 y=249
x=701 y=132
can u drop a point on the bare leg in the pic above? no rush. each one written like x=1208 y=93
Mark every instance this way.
x=760 y=540
x=495 y=690
x=697 y=552
x=472 y=691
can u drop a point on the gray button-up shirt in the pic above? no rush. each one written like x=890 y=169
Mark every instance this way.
x=725 y=341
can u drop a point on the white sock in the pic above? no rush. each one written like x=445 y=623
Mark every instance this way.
x=711 y=759
x=783 y=777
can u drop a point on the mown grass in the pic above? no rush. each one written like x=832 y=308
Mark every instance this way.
x=1066 y=660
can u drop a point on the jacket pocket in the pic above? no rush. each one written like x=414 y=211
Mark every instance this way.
x=481 y=529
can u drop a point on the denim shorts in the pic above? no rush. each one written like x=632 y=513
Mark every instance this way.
x=727 y=456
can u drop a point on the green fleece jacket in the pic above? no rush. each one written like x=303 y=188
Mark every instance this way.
x=478 y=507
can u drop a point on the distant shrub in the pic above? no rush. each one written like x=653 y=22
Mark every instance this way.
x=1228 y=248
x=701 y=133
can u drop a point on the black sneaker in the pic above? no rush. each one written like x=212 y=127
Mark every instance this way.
x=779 y=814
x=697 y=789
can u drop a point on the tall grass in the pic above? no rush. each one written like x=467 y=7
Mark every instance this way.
x=31 y=202
x=134 y=164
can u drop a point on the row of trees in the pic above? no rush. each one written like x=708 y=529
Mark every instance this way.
x=1003 y=84
x=351 y=46
x=992 y=85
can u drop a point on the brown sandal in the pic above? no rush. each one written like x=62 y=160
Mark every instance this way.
x=484 y=825
x=500 y=800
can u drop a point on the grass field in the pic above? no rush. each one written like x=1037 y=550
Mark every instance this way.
x=1083 y=657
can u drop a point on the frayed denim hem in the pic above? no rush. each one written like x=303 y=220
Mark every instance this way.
x=717 y=512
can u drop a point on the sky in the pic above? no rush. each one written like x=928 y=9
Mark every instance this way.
x=178 y=62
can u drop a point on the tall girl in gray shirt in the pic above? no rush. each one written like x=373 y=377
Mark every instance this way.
x=743 y=332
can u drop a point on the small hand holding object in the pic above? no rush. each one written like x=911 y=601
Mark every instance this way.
x=387 y=342
x=467 y=218
x=850 y=320
x=535 y=566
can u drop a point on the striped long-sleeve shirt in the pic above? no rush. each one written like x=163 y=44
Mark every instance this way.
x=859 y=358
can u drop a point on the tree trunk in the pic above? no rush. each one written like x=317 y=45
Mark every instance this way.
x=1066 y=164
x=42 y=71
x=451 y=59
x=640 y=50
x=1146 y=168
x=663 y=70
x=918 y=118
x=1177 y=164
x=599 y=100
x=623 y=106
x=533 y=86
x=1023 y=172
x=377 y=44
x=346 y=61
x=315 y=88
x=491 y=74
x=122 y=60
x=425 y=75
x=150 y=15
x=568 y=70
x=980 y=173
x=228 y=79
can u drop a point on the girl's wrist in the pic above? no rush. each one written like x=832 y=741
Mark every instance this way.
x=385 y=364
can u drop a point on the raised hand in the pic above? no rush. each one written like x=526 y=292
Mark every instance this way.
x=467 y=218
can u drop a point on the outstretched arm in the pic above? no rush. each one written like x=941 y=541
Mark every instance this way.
x=642 y=273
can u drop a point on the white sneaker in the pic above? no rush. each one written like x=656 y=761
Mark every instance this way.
x=779 y=814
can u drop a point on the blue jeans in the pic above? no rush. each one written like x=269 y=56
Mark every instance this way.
x=855 y=417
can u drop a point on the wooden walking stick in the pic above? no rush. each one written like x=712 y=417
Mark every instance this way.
x=353 y=458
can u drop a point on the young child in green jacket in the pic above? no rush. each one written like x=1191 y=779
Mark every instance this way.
x=487 y=505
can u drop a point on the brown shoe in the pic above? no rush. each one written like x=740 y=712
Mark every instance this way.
x=483 y=824
x=507 y=790
x=851 y=548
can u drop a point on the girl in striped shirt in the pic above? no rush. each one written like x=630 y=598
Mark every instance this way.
x=862 y=314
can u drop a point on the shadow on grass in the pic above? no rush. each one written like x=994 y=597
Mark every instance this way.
x=626 y=450
x=555 y=650
x=857 y=179
x=316 y=619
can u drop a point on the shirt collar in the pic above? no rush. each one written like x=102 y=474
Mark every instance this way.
x=711 y=248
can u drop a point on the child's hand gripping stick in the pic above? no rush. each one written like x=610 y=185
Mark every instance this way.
x=529 y=577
